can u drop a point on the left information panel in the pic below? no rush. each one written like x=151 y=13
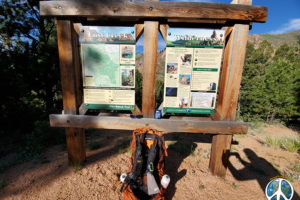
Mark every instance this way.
x=108 y=67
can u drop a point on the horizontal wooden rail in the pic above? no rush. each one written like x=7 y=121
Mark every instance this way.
x=156 y=10
x=169 y=125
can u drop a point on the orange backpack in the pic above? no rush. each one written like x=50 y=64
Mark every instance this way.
x=148 y=156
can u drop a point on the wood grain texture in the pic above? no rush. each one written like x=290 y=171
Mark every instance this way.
x=137 y=110
x=78 y=74
x=139 y=30
x=83 y=110
x=220 y=149
x=126 y=123
x=75 y=145
x=193 y=20
x=67 y=72
x=233 y=62
x=149 y=68
x=77 y=27
x=190 y=118
x=70 y=70
x=114 y=114
x=166 y=10
x=163 y=28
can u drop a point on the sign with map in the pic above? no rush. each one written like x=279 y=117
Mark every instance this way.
x=192 y=70
x=108 y=60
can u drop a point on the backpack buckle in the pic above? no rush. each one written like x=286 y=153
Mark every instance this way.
x=151 y=167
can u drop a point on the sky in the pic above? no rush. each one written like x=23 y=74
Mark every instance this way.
x=283 y=17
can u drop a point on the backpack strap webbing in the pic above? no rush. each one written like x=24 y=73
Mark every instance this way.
x=152 y=155
x=138 y=161
x=159 y=144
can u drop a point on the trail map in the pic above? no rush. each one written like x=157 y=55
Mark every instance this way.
x=102 y=63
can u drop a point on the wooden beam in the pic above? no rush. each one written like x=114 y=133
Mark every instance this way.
x=83 y=110
x=220 y=149
x=78 y=74
x=68 y=55
x=114 y=115
x=163 y=28
x=126 y=123
x=191 y=118
x=233 y=62
x=137 y=110
x=77 y=27
x=149 y=68
x=193 y=20
x=165 y=10
x=139 y=30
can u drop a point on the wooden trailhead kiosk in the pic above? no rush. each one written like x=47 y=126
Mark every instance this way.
x=152 y=17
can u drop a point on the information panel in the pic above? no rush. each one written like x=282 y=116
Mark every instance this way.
x=108 y=57
x=192 y=70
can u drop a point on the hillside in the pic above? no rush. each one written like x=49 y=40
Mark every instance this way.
x=276 y=40
x=160 y=67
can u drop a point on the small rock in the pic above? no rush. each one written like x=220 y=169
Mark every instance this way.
x=192 y=172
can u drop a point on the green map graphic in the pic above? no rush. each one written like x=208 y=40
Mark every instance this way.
x=102 y=62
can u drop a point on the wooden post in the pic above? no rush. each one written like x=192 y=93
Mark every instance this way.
x=233 y=62
x=71 y=87
x=149 y=68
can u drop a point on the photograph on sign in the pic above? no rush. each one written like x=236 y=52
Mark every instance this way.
x=127 y=77
x=202 y=100
x=184 y=79
x=170 y=91
x=172 y=68
x=183 y=102
x=186 y=59
x=127 y=51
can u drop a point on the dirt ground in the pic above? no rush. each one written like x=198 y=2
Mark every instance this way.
x=251 y=165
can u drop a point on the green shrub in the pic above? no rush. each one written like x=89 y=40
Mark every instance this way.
x=271 y=141
x=76 y=167
x=1 y=184
x=291 y=143
x=176 y=136
x=93 y=145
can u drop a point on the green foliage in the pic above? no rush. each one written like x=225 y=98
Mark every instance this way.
x=1 y=184
x=93 y=145
x=138 y=88
x=176 y=136
x=271 y=141
x=201 y=187
x=291 y=143
x=270 y=84
x=29 y=66
x=233 y=186
x=159 y=93
x=120 y=150
x=76 y=167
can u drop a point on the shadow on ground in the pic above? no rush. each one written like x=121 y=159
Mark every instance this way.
x=256 y=169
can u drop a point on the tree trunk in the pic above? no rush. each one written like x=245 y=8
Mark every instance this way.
x=273 y=115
